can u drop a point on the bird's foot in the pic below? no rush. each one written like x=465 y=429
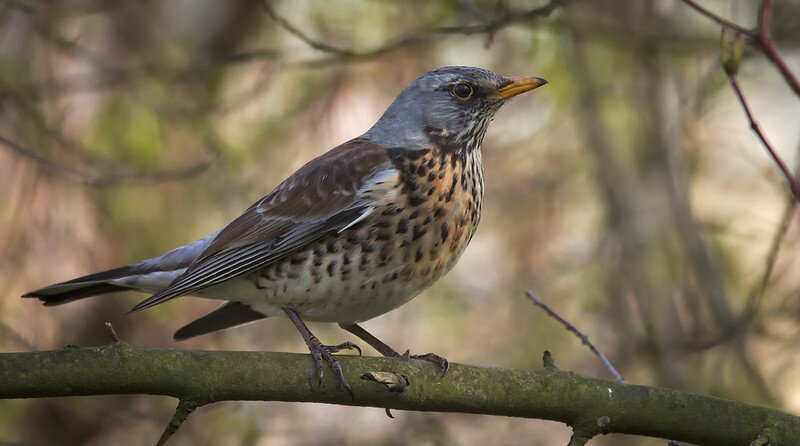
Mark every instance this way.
x=343 y=346
x=430 y=357
x=323 y=355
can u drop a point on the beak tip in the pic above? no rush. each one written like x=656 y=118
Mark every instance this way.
x=518 y=85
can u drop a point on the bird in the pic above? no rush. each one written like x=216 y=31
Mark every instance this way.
x=352 y=234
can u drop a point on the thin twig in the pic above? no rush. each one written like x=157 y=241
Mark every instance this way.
x=585 y=339
x=720 y=20
x=184 y=409
x=754 y=300
x=793 y=184
x=105 y=180
x=340 y=54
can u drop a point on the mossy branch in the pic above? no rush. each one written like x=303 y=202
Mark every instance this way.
x=590 y=406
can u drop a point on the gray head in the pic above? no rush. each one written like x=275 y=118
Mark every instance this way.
x=448 y=107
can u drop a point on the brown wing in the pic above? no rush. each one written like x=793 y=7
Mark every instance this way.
x=323 y=196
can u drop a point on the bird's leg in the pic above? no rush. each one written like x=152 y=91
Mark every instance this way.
x=322 y=353
x=385 y=350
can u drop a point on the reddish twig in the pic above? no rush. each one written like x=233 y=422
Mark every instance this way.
x=720 y=20
x=764 y=40
x=760 y=35
x=793 y=184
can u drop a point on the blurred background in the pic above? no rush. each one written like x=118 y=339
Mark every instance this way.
x=629 y=194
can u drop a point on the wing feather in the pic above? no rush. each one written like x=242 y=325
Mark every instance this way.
x=325 y=195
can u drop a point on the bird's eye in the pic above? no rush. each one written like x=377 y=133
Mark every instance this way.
x=462 y=90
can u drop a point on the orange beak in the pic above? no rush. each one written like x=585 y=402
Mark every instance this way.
x=519 y=85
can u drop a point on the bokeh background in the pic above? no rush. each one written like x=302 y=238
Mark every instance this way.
x=629 y=194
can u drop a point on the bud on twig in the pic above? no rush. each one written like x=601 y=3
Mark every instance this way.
x=731 y=52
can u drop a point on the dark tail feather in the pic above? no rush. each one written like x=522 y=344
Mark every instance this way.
x=64 y=297
x=82 y=287
x=230 y=314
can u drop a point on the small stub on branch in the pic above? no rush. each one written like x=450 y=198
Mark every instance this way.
x=112 y=332
x=603 y=421
x=393 y=382
x=548 y=361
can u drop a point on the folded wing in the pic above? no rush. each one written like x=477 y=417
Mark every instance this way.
x=328 y=194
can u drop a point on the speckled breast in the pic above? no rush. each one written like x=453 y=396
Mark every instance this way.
x=391 y=256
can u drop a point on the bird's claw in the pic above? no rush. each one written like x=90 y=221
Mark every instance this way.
x=430 y=357
x=343 y=346
x=323 y=355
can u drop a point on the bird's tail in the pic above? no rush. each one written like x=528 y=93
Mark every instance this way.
x=83 y=287
x=149 y=276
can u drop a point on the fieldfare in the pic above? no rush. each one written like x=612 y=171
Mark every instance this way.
x=351 y=235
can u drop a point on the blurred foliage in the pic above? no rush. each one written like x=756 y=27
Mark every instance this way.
x=628 y=194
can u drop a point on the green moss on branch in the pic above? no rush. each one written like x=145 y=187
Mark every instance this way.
x=590 y=405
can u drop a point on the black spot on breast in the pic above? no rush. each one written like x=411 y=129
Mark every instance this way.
x=390 y=211
x=414 y=155
x=451 y=191
x=281 y=268
x=409 y=185
x=419 y=255
x=416 y=200
x=445 y=230
x=334 y=246
x=332 y=268
x=419 y=231
x=385 y=257
x=268 y=274
x=316 y=274
x=383 y=235
x=402 y=226
x=363 y=265
x=300 y=258
x=319 y=250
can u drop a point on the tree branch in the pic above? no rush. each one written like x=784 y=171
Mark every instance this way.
x=591 y=406
x=107 y=179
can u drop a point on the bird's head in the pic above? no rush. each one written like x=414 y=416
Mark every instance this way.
x=449 y=107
